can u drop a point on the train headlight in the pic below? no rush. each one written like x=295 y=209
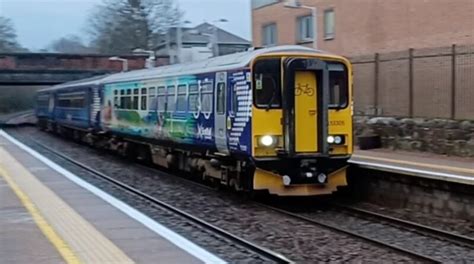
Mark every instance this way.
x=267 y=141
x=336 y=139
x=331 y=139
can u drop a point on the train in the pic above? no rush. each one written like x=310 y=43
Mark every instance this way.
x=275 y=120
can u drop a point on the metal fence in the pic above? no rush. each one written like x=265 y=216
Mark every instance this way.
x=431 y=83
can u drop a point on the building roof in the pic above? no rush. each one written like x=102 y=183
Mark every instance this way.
x=197 y=35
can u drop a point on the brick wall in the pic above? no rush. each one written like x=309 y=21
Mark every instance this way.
x=368 y=26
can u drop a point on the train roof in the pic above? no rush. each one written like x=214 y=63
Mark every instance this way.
x=221 y=63
x=96 y=80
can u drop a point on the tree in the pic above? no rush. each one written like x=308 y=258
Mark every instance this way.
x=69 y=44
x=119 y=26
x=8 y=42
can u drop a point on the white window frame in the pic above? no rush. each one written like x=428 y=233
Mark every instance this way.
x=327 y=34
x=303 y=33
x=269 y=38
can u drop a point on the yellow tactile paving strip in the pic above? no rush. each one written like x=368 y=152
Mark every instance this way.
x=76 y=239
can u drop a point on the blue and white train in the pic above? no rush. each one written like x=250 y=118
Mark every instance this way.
x=274 y=119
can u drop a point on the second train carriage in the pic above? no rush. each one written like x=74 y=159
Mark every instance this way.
x=276 y=119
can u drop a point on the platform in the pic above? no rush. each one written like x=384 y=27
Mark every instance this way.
x=427 y=165
x=49 y=215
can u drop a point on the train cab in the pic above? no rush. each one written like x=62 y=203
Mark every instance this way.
x=301 y=122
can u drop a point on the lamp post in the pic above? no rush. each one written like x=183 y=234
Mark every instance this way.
x=150 y=61
x=296 y=4
x=124 y=62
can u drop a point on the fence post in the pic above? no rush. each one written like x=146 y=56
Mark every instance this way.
x=453 y=81
x=376 y=84
x=410 y=82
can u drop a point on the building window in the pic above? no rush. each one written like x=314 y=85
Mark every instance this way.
x=305 y=28
x=269 y=35
x=329 y=24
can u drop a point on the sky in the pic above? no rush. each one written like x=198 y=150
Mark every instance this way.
x=39 y=22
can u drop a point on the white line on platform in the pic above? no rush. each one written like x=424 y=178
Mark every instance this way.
x=425 y=173
x=156 y=227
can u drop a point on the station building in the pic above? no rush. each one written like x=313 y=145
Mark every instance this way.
x=359 y=27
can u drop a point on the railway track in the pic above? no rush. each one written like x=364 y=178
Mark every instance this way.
x=263 y=252
x=461 y=240
x=409 y=253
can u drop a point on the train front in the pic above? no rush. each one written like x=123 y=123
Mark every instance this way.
x=301 y=123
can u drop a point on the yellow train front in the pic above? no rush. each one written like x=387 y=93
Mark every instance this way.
x=301 y=122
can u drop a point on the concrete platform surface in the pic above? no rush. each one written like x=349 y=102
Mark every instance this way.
x=48 y=216
x=452 y=169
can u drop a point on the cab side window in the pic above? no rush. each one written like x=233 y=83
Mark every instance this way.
x=267 y=83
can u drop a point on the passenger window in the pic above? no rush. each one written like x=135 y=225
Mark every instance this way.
x=143 y=100
x=220 y=104
x=193 y=98
x=171 y=99
x=152 y=98
x=161 y=91
x=135 y=99
x=116 y=99
x=181 y=100
x=338 y=85
x=128 y=100
x=206 y=97
x=267 y=83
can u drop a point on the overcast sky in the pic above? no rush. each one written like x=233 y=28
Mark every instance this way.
x=38 y=22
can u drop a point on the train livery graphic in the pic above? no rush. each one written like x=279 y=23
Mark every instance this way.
x=274 y=119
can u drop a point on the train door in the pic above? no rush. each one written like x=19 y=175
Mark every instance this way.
x=220 y=110
x=305 y=106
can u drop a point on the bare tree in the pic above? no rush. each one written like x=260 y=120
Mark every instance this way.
x=119 y=26
x=8 y=42
x=69 y=44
